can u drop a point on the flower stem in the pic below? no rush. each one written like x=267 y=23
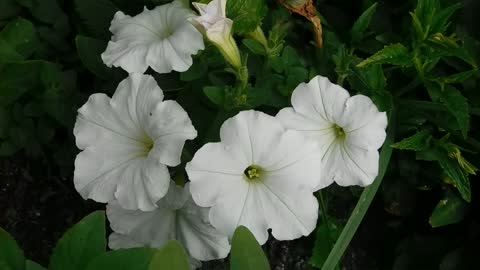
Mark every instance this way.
x=363 y=203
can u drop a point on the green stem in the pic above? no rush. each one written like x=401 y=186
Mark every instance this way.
x=363 y=203
x=323 y=207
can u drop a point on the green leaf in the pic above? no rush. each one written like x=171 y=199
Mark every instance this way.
x=417 y=142
x=96 y=16
x=196 y=71
x=254 y=46
x=447 y=46
x=215 y=94
x=79 y=245
x=362 y=23
x=449 y=210
x=170 y=256
x=89 y=51
x=4 y=122
x=457 y=105
x=19 y=78
x=394 y=54
x=326 y=236
x=455 y=173
x=11 y=256
x=246 y=14
x=30 y=265
x=17 y=41
x=246 y=253
x=440 y=20
x=458 y=77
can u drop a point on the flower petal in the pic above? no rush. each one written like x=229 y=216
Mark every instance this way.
x=320 y=99
x=169 y=127
x=290 y=209
x=118 y=241
x=153 y=38
x=350 y=165
x=199 y=237
x=116 y=135
x=363 y=123
x=152 y=228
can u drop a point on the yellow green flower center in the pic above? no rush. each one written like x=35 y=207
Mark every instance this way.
x=339 y=132
x=253 y=173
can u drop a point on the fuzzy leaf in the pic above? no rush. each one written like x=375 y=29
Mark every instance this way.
x=11 y=256
x=215 y=94
x=394 y=54
x=17 y=41
x=96 y=16
x=170 y=256
x=455 y=173
x=89 y=51
x=254 y=46
x=79 y=245
x=440 y=20
x=246 y=252
x=457 y=104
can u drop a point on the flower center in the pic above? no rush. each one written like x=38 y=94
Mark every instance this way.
x=253 y=173
x=339 y=132
x=147 y=146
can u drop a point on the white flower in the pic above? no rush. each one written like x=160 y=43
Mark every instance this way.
x=127 y=143
x=176 y=218
x=349 y=130
x=161 y=38
x=260 y=176
x=218 y=29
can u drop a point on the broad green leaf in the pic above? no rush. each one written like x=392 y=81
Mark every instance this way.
x=246 y=14
x=290 y=57
x=96 y=16
x=417 y=142
x=394 y=54
x=8 y=9
x=215 y=94
x=254 y=46
x=17 y=40
x=424 y=13
x=456 y=174
x=326 y=236
x=31 y=265
x=457 y=104
x=89 y=51
x=448 y=211
x=246 y=253
x=360 y=26
x=11 y=256
x=170 y=256
x=81 y=244
x=19 y=78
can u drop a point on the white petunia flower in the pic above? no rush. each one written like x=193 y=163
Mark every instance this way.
x=213 y=22
x=161 y=38
x=128 y=141
x=349 y=130
x=176 y=218
x=260 y=176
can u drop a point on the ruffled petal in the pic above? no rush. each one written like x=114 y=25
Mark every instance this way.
x=289 y=207
x=154 y=38
x=199 y=237
x=169 y=127
x=364 y=125
x=350 y=165
x=153 y=228
x=320 y=99
x=117 y=136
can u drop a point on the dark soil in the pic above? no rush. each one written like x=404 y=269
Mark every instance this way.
x=37 y=207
